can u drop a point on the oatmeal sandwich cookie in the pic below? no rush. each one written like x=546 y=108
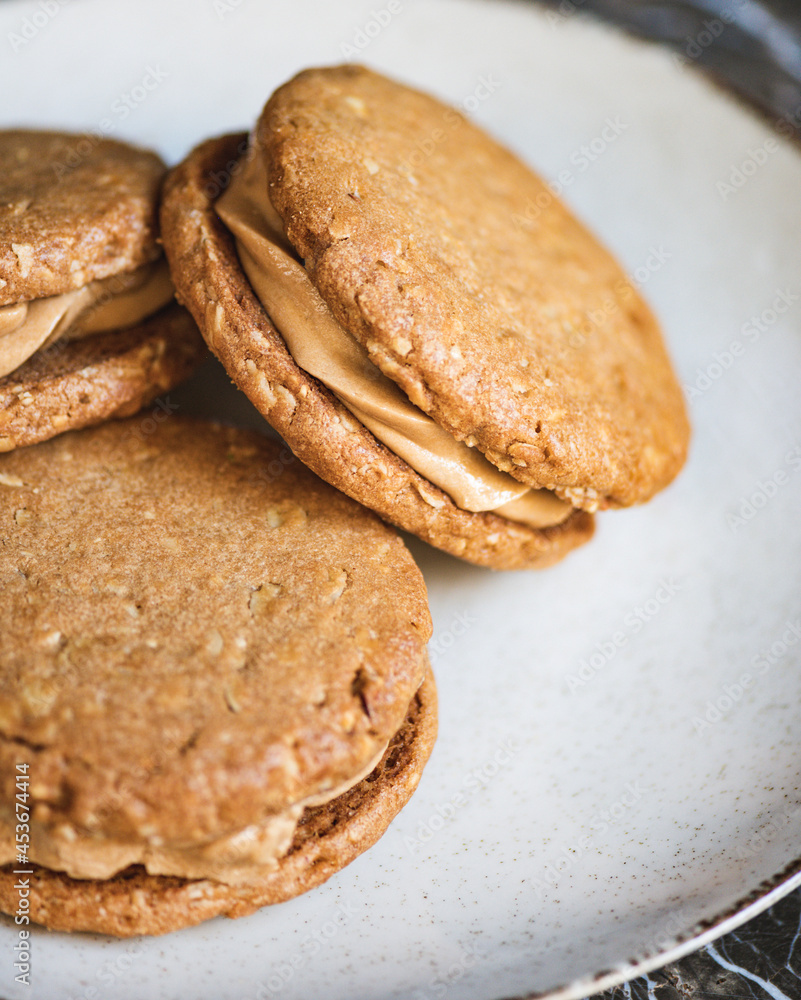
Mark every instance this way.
x=365 y=269
x=88 y=324
x=213 y=684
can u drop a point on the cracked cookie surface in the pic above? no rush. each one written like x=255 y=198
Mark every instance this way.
x=195 y=633
x=327 y=838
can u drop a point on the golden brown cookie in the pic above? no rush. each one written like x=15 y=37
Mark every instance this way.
x=80 y=262
x=319 y=429
x=201 y=646
x=516 y=331
x=327 y=838
x=78 y=383
x=73 y=209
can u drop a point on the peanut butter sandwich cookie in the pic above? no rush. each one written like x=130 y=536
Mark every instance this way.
x=214 y=685
x=367 y=270
x=88 y=324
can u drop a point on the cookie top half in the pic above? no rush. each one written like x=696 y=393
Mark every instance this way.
x=73 y=209
x=514 y=329
x=197 y=632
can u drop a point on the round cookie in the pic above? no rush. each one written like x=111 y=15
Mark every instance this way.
x=319 y=429
x=73 y=209
x=199 y=642
x=472 y=287
x=328 y=837
x=78 y=383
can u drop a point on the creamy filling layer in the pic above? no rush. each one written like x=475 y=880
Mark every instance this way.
x=109 y=304
x=324 y=349
x=236 y=859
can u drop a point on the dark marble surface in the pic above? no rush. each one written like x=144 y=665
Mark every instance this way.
x=754 y=48
x=760 y=960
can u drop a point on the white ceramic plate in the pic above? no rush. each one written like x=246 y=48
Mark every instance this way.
x=619 y=758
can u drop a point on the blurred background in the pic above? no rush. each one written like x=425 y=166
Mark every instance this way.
x=753 y=46
x=754 y=49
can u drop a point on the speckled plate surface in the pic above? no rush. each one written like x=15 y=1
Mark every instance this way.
x=620 y=750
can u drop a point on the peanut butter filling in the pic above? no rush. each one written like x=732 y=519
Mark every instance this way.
x=323 y=348
x=236 y=859
x=109 y=304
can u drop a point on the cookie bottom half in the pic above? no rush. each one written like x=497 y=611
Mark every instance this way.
x=79 y=383
x=327 y=839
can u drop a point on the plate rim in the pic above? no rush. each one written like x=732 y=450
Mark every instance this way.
x=768 y=891
x=741 y=911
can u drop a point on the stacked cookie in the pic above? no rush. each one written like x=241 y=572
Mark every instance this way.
x=213 y=671
x=217 y=685
x=88 y=324
x=479 y=377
